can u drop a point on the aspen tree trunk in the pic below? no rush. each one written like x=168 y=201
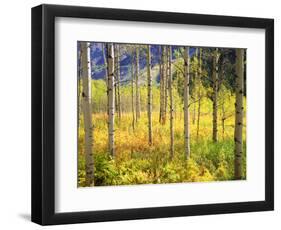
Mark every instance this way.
x=165 y=85
x=105 y=62
x=238 y=115
x=199 y=94
x=186 y=102
x=161 y=85
x=172 y=149
x=149 y=95
x=193 y=113
x=116 y=79
x=198 y=119
x=215 y=95
x=87 y=112
x=137 y=86
x=195 y=83
x=111 y=99
x=117 y=82
x=79 y=83
x=106 y=73
x=133 y=102
x=163 y=101
x=223 y=118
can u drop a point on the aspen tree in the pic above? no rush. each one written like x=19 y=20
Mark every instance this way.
x=111 y=98
x=149 y=95
x=238 y=114
x=172 y=150
x=162 y=86
x=215 y=94
x=223 y=118
x=195 y=80
x=87 y=111
x=160 y=83
x=137 y=86
x=106 y=73
x=79 y=74
x=199 y=93
x=186 y=103
x=132 y=90
x=117 y=81
x=166 y=86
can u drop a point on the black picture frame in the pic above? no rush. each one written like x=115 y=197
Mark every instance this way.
x=43 y=114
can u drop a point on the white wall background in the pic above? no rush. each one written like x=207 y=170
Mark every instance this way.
x=15 y=113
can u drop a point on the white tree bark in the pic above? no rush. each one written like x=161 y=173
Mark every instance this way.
x=161 y=74
x=106 y=73
x=186 y=103
x=133 y=101
x=166 y=87
x=87 y=112
x=79 y=74
x=199 y=93
x=238 y=114
x=111 y=98
x=215 y=94
x=195 y=80
x=117 y=81
x=223 y=117
x=137 y=86
x=172 y=149
x=105 y=62
x=149 y=95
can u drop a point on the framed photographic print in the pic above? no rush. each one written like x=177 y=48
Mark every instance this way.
x=142 y=114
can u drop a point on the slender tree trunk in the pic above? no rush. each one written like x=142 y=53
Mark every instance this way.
x=133 y=101
x=111 y=99
x=119 y=84
x=161 y=74
x=87 y=111
x=186 y=102
x=199 y=93
x=106 y=72
x=165 y=84
x=172 y=149
x=149 y=95
x=193 y=113
x=238 y=115
x=223 y=118
x=105 y=61
x=116 y=79
x=79 y=83
x=198 y=119
x=215 y=95
x=195 y=80
x=137 y=86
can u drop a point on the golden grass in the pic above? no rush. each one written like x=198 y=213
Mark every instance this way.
x=138 y=162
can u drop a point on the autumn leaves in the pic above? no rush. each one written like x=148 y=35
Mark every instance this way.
x=167 y=66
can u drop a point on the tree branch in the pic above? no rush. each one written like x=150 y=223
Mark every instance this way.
x=195 y=101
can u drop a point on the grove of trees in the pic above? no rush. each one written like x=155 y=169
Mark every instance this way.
x=160 y=114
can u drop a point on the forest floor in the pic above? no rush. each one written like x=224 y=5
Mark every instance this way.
x=136 y=162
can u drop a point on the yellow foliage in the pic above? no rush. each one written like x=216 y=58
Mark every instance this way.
x=137 y=162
